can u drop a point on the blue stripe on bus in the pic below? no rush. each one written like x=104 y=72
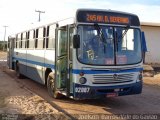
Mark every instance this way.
x=77 y=71
x=35 y=62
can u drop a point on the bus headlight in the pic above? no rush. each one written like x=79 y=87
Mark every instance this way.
x=82 y=80
x=140 y=76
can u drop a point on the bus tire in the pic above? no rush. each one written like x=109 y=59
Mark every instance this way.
x=50 y=87
x=18 y=74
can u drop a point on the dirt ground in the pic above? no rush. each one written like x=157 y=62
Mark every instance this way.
x=15 y=98
x=3 y=59
x=22 y=100
x=3 y=55
x=24 y=96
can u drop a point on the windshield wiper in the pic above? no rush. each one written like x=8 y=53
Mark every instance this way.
x=124 y=33
x=121 y=36
x=101 y=32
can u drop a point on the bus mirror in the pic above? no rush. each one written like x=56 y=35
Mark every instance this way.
x=76 y=41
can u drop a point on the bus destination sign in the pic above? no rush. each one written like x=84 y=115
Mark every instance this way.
x=106 y=19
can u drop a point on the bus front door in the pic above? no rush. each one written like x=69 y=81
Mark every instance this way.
x=61 y=59
x=64 y=59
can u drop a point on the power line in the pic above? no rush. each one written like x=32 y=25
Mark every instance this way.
x=39 y=11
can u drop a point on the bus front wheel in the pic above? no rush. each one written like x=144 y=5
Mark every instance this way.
x=51 y=87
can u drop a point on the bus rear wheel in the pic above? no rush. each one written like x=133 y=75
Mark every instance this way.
x=51 y=88
x=18 y=74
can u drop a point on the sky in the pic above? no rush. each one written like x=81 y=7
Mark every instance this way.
x=17 y=14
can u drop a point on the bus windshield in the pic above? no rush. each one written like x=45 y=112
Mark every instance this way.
x=106 y=45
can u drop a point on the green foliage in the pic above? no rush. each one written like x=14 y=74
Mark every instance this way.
x=2 y=43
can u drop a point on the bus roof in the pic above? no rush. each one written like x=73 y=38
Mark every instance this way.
x=45 y=24
x=106 y=17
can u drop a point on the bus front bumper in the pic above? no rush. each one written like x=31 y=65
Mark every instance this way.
x=96 y=92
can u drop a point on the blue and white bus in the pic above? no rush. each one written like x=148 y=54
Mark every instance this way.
x=95 y=54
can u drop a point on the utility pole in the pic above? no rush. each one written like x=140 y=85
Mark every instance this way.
x=3 y=67
x=4 y=36
x=39 y=14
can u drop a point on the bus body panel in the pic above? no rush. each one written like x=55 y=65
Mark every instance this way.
x=36 y=63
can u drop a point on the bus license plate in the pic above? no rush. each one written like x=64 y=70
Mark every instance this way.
x=112 y=94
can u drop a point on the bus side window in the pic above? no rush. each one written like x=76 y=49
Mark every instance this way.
x=44 y=36
x=62 y=41
x=50 y=41
x=47 y=36
x=23 y=39
x=19 y=41
x=39 y=38
x=31 y=38
x=36 y=38
x=8 y=46
x=128 y=40
x=16 y=41
x=27 y=46
x=71 y=42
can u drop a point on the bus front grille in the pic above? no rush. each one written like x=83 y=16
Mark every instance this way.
x=115 y=78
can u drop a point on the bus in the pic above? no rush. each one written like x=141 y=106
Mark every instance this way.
x=96 y=54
